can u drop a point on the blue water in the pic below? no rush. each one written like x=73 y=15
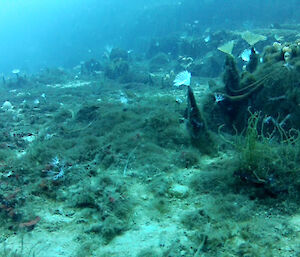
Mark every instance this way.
x=44 y=33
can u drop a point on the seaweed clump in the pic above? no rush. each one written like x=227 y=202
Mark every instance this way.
x=253 y=62
x=270 y=85
x=268 y=158
x=231 y=76
x=104 y=199
x=239 y=88
x=200 y=136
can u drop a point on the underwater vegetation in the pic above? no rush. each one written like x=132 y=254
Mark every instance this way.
x=269 y=86
x=268 y=163
x=90 y=68
x=257 y=105
x=121 y=150
x=16 y=81
x=196 y=125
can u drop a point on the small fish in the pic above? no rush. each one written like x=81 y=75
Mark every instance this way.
x=245 y=55
x=207 y=39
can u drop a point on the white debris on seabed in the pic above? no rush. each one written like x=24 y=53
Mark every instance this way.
x=36 y=102
x=29 y=138
x=123 y=99
x=70 y=84
x=20 y=154
x=179 y=191
x=15 y=71
x=7 y=106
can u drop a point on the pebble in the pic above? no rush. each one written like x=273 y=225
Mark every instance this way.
x=179 y=191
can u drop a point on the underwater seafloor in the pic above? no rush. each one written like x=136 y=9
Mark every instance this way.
x=98 y=160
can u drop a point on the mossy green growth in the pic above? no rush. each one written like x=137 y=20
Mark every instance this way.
x=4 y=155
x=268 y=157
x=272 y=55
x=231 y=78
x=10 y=253
x=148 y=253
x=52 y=76
x=105 y=198
x=187 y=159
x=159 y=188
x=253 y=62
x=201 y=138
x=297 y=66
x=194 y=219
x=255 y=155
x=62 y=115
x=247 y=79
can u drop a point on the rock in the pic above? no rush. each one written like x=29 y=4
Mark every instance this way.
x=7 y=106
x=179 y=191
